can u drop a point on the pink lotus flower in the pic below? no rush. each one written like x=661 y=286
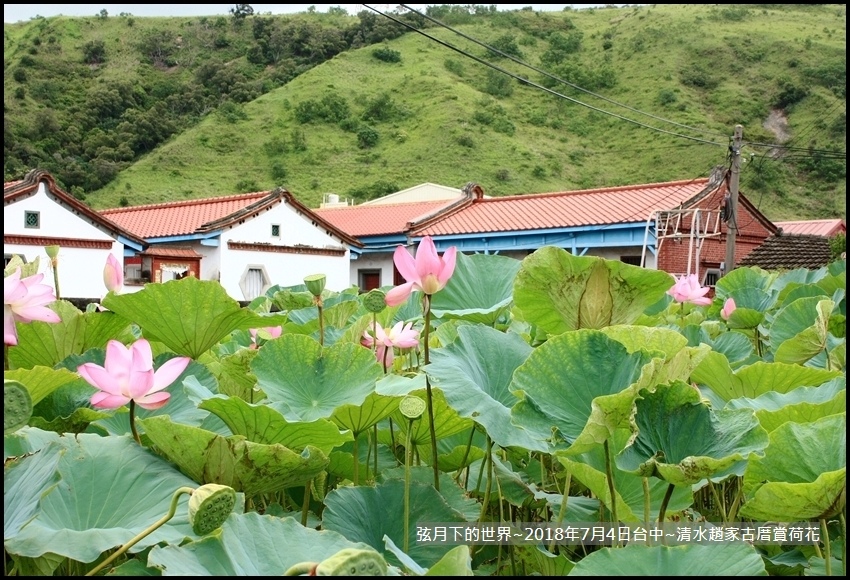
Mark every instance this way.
x=687 y=289
x=113 y=274
x=128 y=375
x=273 y=331
x=25 y=300
x=728 y=308
x=401 y=336
x=427 y=272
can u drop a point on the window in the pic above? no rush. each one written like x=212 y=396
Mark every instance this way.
x=275 y=230
x=712 y=275
x=254 y=282
x=633 y=260
x=32 y=219
x=368 y=279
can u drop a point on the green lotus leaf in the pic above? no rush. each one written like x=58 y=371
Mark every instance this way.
x=400 y=386
x=743 y=278
x=367 y=514
x=262 y=424
x=93 y=509
x=40 y=381
x=234 y=376
x=358 y=418
x=802 y=405
x=681 y=440
x=803 y=291
x=25 y=480
x=679 y=359
x=474 y=373
x=578 y=387
x=449 y=489
x=558 y=291
x=480 y=289
x=244 y=465
x=744 y=317
x=27 y=268
x=579 y=508
x=756 y=379
x=307 y=381
x=544 y=563
x=189 y=316
x=736 y=347
x=249 y=545
x=799 y=331
x=704 y=560
x=134 y=567
x=456 y=562
x=46 y=344
x=803 y=472
x=589 y=469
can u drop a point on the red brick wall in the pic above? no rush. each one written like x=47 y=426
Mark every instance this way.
x=673 y=256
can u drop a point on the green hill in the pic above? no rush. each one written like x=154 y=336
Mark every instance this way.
x=355 y=106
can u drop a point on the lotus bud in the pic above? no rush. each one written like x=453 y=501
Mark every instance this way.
x=315 y=284
x=375 y=301
x=17 y=406
x=113 y=274
x=209 y=506
x=353 y=562
x=412 y=407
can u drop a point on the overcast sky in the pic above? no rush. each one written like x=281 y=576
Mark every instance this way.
x=18 y=12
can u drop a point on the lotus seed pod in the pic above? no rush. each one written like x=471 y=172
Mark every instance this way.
x=315 y=284
x=51 y=251
x=352 y=562
x=412 y=407
x=17 y=406
x=209 y=506
x=374 y=300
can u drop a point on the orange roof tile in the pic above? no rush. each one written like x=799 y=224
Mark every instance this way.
x=633 y=203
x=813 y=227
x=179 y=218
x=375 y=220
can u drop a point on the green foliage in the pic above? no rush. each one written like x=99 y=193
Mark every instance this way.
x=838 y=245
x=386 y=54
x=94 y=52
x=498 y=84
x=454 y=66
x=506 y=44
x=367 y=137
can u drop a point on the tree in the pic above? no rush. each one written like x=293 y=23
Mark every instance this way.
x=241 y=11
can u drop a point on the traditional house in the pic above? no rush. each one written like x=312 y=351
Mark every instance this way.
x=38 y=213
x=677 y=226
x=247 y=242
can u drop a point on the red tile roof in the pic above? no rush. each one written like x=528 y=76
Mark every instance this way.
x=375 y=220
x=179 y=218
x=813 y=227
x=633 y=203
x=166 y=252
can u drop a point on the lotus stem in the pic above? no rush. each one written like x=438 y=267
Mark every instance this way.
x=647 y=500
x=305 y=505
x=717 y=500
x=5 y=357
x=146 y=532
x=321 y=321
x=489 y=460
x=609 y=474
x=356 y=452
x=562 y=511
x=430 y=399
x=827 y=550
x=133 y=422
x=733 y=511
x=843 y=541
x=662 y=512
x=407 y=456
x=465 y=456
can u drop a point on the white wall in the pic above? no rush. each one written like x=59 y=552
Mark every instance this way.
x=80 y=269
x=382 y=261
x=284 y=269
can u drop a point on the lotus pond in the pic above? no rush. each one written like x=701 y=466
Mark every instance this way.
x=174 y=432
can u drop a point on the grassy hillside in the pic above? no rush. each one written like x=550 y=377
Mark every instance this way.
x=362 y=126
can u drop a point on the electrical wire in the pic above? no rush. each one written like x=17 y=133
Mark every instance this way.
x=560 y=80
x=538 y=86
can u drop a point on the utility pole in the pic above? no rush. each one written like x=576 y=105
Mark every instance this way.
x=732 y=207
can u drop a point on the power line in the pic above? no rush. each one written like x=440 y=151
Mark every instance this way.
x=553 y=77
x=533 y=84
